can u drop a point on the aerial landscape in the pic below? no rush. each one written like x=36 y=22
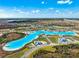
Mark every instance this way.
x=39 y=29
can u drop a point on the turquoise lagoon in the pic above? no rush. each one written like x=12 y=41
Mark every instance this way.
x=20 y=43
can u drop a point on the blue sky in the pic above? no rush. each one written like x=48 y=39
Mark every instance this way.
x=39 y=8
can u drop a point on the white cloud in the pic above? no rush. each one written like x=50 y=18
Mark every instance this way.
x=1 y=10
x=39 y=13
x=64 y=2
x=43 y=2
x=70 y=2
x=18 y=10
x=5 y=15
x=27 y=12
x=57 y=11
x=35 y=11
x=70 y=12
x=51 y=8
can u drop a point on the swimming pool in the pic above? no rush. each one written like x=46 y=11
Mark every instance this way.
x=20 y=43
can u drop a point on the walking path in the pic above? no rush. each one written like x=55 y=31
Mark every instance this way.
x=47 y=39
x=26 y=54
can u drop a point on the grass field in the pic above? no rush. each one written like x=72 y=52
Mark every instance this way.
x=54 y=39
x=46 y=48
x=59 y=51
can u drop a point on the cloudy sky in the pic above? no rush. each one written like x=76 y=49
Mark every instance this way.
x=39 y=8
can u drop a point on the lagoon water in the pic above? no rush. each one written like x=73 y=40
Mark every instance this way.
x=20 y=43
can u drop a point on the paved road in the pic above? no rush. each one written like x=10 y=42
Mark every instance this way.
x=47 y=39
x=26 y=54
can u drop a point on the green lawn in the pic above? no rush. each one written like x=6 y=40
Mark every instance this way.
x=48 y=48
x=54 y=39
x=2 y=40
x=42 y=39
x=39 y=39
